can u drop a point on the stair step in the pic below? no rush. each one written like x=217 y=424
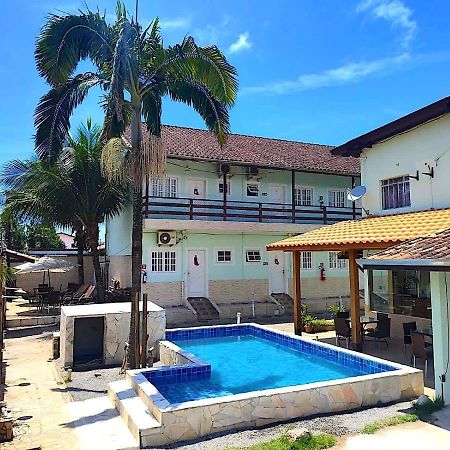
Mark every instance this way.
x=133 y=410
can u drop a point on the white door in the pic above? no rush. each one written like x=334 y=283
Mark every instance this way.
x=196 y=188
x=196 y=275
x=277 y=194
x=277 y=273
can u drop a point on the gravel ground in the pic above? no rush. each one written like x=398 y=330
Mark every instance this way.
x=338 y=424
x=91 y=383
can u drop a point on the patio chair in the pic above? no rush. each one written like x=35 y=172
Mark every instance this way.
x=343 y=330
x=74 y=296
x=408 y=328
x=382 y=316
x=420 y=350
x=344 y=314
x=382 y=332
x=52 y=300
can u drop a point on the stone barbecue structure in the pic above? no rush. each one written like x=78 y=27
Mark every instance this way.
x=99 y=332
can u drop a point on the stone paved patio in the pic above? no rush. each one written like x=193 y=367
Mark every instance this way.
x=35 y=398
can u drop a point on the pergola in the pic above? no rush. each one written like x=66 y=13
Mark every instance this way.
x=352 y=237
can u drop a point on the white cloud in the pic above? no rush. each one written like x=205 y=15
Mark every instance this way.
x=178 y=23
x=393 y=11
x=242 y=43
x=348 y=73
x=212 y=34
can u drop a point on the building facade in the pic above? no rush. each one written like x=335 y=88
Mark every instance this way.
x=405 y=166
x=207 y=223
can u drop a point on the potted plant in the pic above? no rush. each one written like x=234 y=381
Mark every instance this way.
x=308 y=323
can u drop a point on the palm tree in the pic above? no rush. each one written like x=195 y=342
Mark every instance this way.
x=71 y=191
x=136 y=71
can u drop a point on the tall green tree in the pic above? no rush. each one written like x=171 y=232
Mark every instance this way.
x=70 y=190
x=135 y=71
x=43 y=236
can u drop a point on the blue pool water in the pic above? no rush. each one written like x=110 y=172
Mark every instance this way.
x=250 y=363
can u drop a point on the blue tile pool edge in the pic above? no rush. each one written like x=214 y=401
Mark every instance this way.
x=344 y=357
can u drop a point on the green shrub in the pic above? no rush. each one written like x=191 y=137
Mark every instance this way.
x=314 y=442
x=322 y=324
x=429 y=408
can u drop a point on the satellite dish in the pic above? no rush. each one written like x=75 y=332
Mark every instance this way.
x=356 y=193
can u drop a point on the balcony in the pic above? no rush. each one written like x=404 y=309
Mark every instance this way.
x=244 y=211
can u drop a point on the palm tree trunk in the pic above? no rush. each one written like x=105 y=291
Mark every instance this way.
x=92 y=235
x=79 y=239
x=136 y=244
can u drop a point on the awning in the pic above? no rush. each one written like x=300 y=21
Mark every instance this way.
x=373 y=232
x=430 y=252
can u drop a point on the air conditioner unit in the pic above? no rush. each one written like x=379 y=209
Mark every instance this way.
x=224 y=169
x=167 y=237
x=253 y=171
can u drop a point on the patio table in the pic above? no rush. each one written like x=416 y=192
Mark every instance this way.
x=364 y=321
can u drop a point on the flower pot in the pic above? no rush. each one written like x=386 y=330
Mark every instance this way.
x=309 y=329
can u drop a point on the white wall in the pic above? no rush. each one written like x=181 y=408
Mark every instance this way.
x=403 y=155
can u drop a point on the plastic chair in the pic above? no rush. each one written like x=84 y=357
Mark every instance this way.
x=420 y=350
x=408 y=328
x=343 y=330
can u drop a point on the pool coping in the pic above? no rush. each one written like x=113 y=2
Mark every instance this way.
x=159 y=404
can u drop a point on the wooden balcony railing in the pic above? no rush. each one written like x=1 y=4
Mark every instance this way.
x=243 y=211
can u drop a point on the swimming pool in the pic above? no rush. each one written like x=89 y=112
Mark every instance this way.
x=225 y=377
x=254 y=362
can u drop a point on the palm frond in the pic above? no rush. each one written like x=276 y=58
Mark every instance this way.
x=214 y=113
x=52 y=115
x=66 y=40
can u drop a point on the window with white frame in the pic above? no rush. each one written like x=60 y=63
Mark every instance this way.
x=306 y=260
x=223 y=256
x=303 y=196
x=395 y=193
x=165 y=187
x=163 y=261
x=252 y=189
x=337 y=198
x=334 y=262
x=253 y=256
x=228 y=188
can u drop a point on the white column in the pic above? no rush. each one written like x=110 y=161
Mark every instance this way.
x=440 y=304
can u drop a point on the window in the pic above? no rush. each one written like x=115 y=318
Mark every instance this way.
x=252 y=189
x=163 y=261
x=307 y=260
x=253 y=256
x=334 y=262
x=337 y=198
x=223 y=256
x=221 y=188
x=395 y=193
x=303 y=196
x=166 y=187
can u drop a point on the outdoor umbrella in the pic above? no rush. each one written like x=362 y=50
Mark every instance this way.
x=45 y=264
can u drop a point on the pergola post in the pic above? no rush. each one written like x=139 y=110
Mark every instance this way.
x=354 y=300
x=297 y=293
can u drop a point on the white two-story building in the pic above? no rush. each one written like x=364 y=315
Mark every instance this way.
x=405 y=166
x=207 y=224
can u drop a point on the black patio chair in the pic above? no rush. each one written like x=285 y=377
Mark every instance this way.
x=344 y=314
x=382 y=332
x=343 y=330
x=408 y=328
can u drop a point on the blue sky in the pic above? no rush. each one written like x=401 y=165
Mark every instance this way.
x=317 y=71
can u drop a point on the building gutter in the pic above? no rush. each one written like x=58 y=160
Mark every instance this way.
x=431 y=265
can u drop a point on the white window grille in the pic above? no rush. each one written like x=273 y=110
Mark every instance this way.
x=253 y=256
x=395 y=193
x=303 y=196
x=221 y=188
x=336 y=263
x=306 y=260
x=166 y=187
x=252 y=189
x=163 y=261
x=337 y=198
x=223 y=256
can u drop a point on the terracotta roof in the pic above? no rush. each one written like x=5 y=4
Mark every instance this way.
x=369 y=232
x=432 y=246
x=194 y=144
